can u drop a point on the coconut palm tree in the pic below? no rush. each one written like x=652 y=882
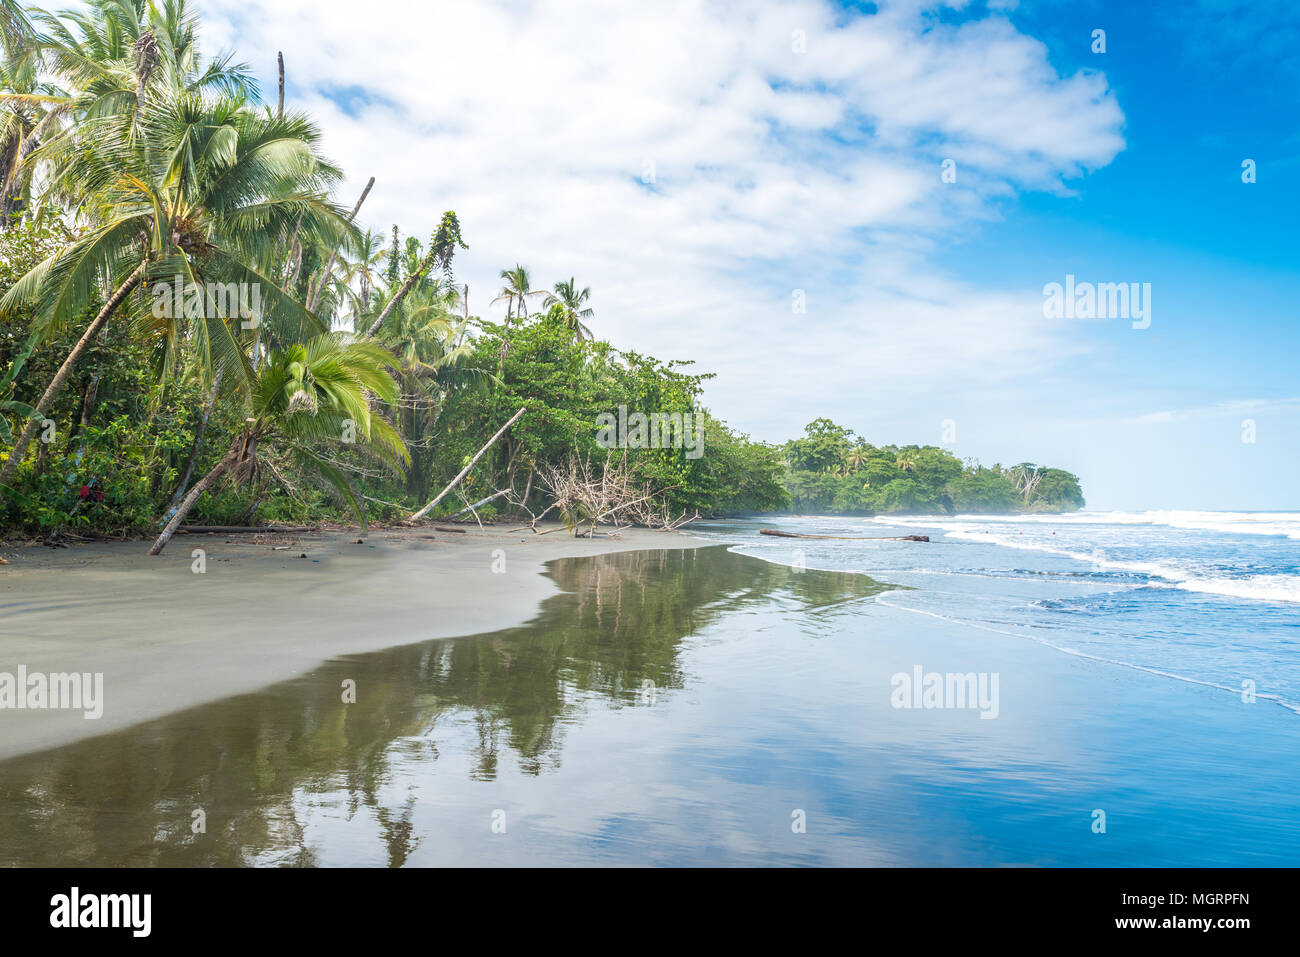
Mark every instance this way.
x=194 y=190
x=514 y=293
x=306 y=396
x=15 y=26
x=30 y=111
x=114 y=51
x=433 y=362
x=858 y=455
x=572 y=302
x=362 y=271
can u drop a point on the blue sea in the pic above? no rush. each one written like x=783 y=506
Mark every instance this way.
x=1206 y=597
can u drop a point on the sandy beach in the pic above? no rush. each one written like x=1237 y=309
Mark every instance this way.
x=166 y=637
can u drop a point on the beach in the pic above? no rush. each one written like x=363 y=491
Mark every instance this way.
x=167 y=638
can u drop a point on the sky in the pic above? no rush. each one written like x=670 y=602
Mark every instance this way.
x=851 y=210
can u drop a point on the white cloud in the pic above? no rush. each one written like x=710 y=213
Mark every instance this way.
x=774 y=170
x=1283 y=406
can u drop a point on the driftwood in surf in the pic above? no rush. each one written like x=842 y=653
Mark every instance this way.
x=848 y=538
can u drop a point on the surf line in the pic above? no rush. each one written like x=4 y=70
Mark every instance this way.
x=1276 y=699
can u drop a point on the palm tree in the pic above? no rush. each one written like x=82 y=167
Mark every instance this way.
x=30 y=111
x=116 y=50
x=362 y=270
x=858 y=455
x=514 y=293
x=434 y=362
x=516 y=290
x=15 y=27
x=192 y=189
x=572 y=303
x=905 y=462
x=302 y=397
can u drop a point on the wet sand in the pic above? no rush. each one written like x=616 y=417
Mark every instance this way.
x=167 y=638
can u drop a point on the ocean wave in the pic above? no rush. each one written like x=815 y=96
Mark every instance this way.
x=1258 y=587
x=1254 y=587
x=1279 y=524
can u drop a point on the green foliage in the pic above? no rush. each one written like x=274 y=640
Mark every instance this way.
x=566 y=384
x=830 y=470
x=152 y=161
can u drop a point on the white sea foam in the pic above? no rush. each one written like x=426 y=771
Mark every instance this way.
x=991 y=530
x=1285 y=524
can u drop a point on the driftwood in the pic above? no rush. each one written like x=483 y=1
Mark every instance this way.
x=482 y=501
x=237 y=529
x=416 y=516
x=849 y=538
x=446 y=528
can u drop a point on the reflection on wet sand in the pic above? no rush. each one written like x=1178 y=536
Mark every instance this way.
x=253 y=764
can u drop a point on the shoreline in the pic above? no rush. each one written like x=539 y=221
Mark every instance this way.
x=167 y=638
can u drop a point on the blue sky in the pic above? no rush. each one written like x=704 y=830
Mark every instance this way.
x=797 y=146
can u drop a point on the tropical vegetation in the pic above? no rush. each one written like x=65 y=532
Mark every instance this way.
x=145 y=184
x=832 y=470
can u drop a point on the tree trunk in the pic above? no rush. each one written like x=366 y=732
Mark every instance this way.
x=279 y=109
x=505 y=345
x=481 y=502
x=204 y=416
x=65 y=371
x=200 y=487
x=528 y=488
x=415 y=517
x=406 y=287
x=324 y=276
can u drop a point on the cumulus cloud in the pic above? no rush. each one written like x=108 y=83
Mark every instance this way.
x=698 y=162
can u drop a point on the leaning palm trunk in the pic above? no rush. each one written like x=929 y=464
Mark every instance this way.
x=441 y=249
x=204 y=415
x=240 y=460
x=406 y=287
x=314 y=296
x=65 y=371
x=201 y=486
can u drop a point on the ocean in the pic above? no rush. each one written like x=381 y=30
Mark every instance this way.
x=1198 y=596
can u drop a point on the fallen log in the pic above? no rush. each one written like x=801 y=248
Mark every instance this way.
x=848 y=538
x=480 y=502
x=238 y=529
x=416 y=516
